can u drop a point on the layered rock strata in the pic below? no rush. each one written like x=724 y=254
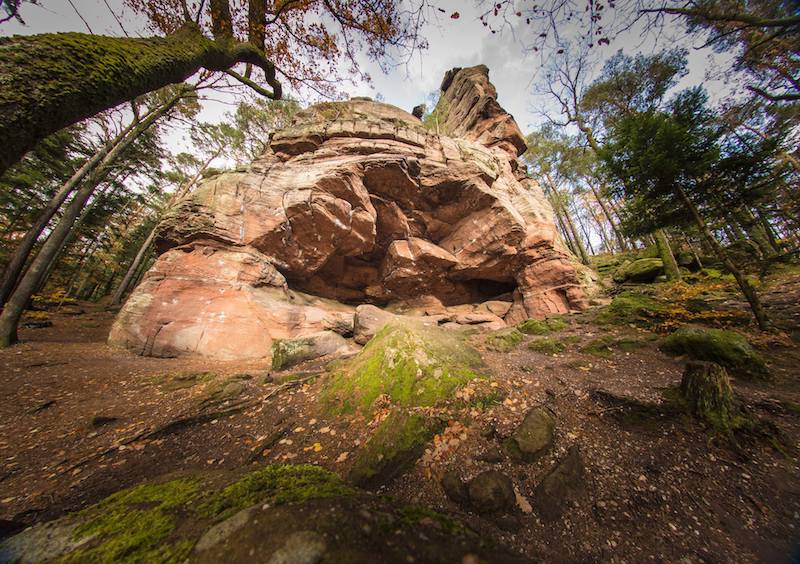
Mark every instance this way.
x=356 y=203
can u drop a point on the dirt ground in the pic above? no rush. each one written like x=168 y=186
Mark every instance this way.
x=80 y=420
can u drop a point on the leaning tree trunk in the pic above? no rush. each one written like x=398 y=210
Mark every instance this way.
x=747 y=289
x=40 y=265
x=52 y=80
x=665 y=252
x=16 y=265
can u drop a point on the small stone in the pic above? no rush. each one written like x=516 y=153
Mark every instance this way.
x=491 y=492
x=533 y=436
x=454 y=487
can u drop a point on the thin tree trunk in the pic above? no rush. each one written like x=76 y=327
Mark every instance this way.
x=601 y=229
x=133 y=268
x=40 y=265
x=747 y=289
x=665 y=251
x=620 y=239
x=16 y=265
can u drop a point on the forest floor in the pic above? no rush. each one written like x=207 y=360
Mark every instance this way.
x=80 y=420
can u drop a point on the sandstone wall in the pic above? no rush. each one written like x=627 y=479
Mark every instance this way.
x=355 y=203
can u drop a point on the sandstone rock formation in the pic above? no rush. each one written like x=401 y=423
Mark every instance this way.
x=356 y=203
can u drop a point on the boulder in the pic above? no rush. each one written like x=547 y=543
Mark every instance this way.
x=288 y=352
x=368 y=320
x=278 y=514
x=354 y=203
x=560 y=487
x=642 y=270
x=726 y=348
x=533 y=437
x=491 y=492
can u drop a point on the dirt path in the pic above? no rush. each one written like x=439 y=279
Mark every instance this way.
x=79 y=420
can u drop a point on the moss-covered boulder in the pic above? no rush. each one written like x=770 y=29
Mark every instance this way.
x=726 y=348
x=605 y=346
x=408 y=363
x=406 y=366
x=630 y=308
x=280 y=513
x=505 y=340
x=641 y=270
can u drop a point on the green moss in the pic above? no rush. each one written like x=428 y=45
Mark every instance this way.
x=275 y=485
x=604 y=346
x=174 y=382
x=631 y=308
x=556 y=323
x=547 y=345
x=411 y=515
x=642 y=270
x=412 y=364
x=393 y=448
x=534 y=327
x=726 y=348
x=542 y=326
x=134 y=525
x=504 y=341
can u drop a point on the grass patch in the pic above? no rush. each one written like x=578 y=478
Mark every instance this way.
x=542 y=326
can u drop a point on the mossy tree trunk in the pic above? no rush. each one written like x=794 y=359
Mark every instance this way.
x=747 y=289
x=707 y=390
x=50 y=81
x=41 y=265
x=665 y=252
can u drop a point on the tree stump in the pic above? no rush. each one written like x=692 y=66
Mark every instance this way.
x=707 y=390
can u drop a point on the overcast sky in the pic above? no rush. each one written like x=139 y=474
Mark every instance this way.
x=462 y=42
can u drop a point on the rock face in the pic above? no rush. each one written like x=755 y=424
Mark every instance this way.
x=355 y=203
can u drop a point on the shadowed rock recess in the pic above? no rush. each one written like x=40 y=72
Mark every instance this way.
x=357 y=203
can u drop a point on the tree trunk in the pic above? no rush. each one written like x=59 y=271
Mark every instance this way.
x=747 y=289
x=16 y=265
x=40 y=265
x=620 y=239
x=665 y=252
x=52 y=80
x=601 y=229
x=707 y=390
x=134 y=267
